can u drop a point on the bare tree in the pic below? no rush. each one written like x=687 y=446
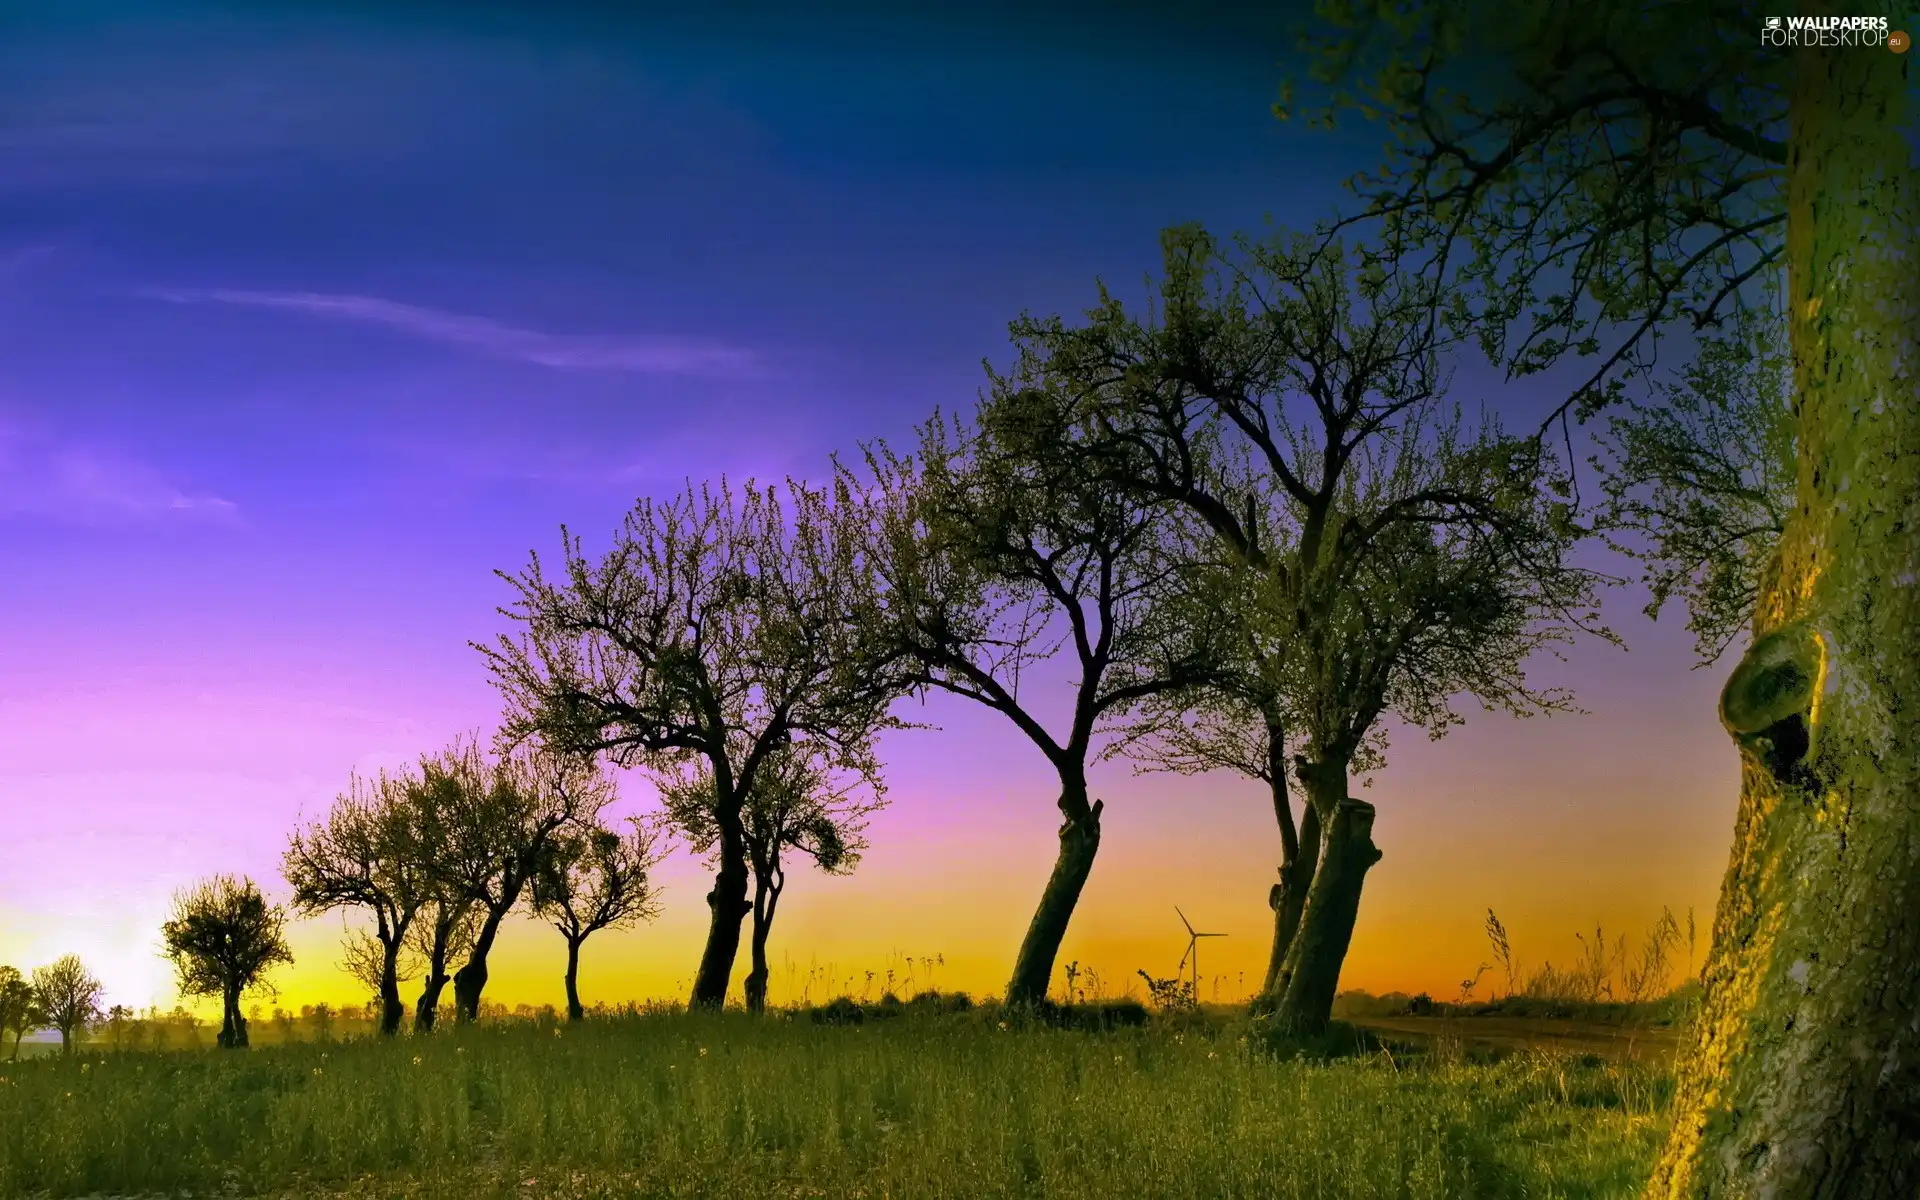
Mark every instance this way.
x=999 y=549
x=713 y=632
x=592 y=879
x=68 y=998
x=222 y=939
x=365 y=854
x=797 y=804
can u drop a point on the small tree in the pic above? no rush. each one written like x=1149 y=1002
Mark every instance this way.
x=498 y=819
x=69 y=998
x=442 y=936
x=222 y=939
x=713 y=633
x=797 y=804
x=365 y=854
x=594 y=879
x=18 y=1008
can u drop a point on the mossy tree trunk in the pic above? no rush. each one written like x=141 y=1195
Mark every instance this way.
x=1311 y=973
x=233 y=1025
x=727 y=903
x=1079 y=842
x=1803 y=1079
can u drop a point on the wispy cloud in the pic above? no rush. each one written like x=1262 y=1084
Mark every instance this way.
x=589 y=352
x=44 y=475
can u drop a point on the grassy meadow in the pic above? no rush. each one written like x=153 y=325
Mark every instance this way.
x=957 y=1104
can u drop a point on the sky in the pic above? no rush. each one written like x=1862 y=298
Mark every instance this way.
x=311 y=322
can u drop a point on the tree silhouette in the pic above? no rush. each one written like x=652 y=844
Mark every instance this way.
x=1605 y=171
x=222 y=939
x=365 y=854
x=19 y=1008
x=496 y=819
x=796 y=804
x=591 y=879
x=67 y=998
x=998 y=549
x=712 y=634
x=1374 y=556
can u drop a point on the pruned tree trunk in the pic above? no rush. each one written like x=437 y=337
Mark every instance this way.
x=574 y=1011
x=1079 y=842
x=729 y=905
x=766 y=899
x=1803 y=1079
x=1311 y=973
x=471 y=979
x=1288 y=898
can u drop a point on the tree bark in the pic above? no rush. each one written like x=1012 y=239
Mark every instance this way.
x=1079 y=842
x=471 y=979
x=729 y=906
x=574 y=1011
x=427 y=1009
x=392 y=1008
x=766 y=899
x=1311 y=973
x=1803 y=1079
x=1288 y=899
x=233 y=1026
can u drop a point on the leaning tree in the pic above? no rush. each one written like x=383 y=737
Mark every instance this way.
x=498 y=819
x=998 y=548
x=715 y=632
x=593 y=878
x=364 y=854
x=797 y=804
x=1588 y=177
x=222 y=938
x=1377 y=558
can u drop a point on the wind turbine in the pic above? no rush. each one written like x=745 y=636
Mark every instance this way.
x=1193 y=951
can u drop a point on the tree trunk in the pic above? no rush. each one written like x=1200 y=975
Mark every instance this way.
x=471 y=979
x=766 y=898
x=1287 y=899
x=1079 y=841
x=233 y=1026
x=729 y=906
x=1311 y=973
x=1803 y=1079
x=427 y=1009
x=392 y=1008
x=574 y=1011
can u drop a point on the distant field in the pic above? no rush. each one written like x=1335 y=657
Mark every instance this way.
x=731 y=1106
x=1533 y=1033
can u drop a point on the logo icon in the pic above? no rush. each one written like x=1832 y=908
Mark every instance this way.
x=1898 y=41
x=1773 y=23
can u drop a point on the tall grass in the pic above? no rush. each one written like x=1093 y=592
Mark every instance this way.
x=702 y=1105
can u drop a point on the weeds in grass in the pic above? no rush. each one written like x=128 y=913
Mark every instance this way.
x=923 y=1104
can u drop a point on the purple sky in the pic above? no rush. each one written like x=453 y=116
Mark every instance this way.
x=309 y=324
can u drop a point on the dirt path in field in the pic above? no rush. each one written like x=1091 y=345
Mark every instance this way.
x=1517 y=1033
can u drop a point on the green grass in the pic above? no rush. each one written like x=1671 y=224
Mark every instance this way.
x=690 y=1105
